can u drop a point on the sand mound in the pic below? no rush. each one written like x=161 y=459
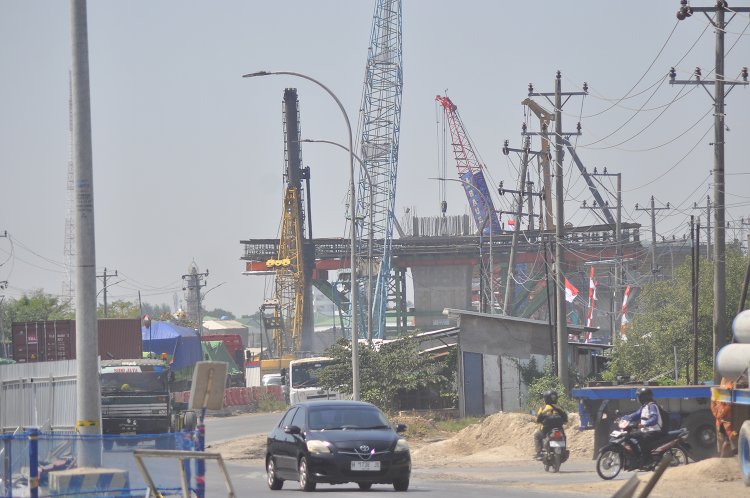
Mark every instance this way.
x=709 y=470
x=500 y=437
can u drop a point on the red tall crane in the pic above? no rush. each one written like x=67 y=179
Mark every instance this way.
x=470 y=170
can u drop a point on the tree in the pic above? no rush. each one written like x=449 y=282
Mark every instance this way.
x=220 y=314
x=384 y=371
x=119 y=309
x=663 y=321
x=36 y=306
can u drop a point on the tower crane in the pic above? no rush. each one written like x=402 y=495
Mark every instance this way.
x=378 y=137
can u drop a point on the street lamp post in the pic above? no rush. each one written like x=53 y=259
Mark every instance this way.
x=481 y=231
x=352 y=213
x=370 y=235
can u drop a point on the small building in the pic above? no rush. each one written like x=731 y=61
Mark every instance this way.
x=494 y=350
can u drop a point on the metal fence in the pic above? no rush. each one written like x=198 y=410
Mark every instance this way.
x=43 y=464
x=38 y=394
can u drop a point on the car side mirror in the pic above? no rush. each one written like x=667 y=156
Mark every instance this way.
x=292 y=429
x=401 y=428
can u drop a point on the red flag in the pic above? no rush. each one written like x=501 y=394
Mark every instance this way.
x=570 y=291
x=511 y=222
x=623 y=324
x=592 y=298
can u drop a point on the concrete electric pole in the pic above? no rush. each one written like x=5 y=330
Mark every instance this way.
x=653 y=209
x=562 y=315
x=618 y=243
x=88 y=393
x=721 y=7
x=526 y=151
x=708 y=224
x=104 y=277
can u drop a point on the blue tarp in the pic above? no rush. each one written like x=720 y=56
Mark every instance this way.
x=182 y=344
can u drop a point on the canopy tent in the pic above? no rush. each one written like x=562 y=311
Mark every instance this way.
x=182 y=344
x=217 y=351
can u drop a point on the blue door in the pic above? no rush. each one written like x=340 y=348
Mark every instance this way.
x=473 y=385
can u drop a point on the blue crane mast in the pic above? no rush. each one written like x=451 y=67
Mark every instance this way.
x=378 y=134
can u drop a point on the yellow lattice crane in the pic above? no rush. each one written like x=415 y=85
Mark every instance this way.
x=290 y=277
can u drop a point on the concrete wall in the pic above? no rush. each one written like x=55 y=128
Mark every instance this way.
x=437 y=288
x=493 y=334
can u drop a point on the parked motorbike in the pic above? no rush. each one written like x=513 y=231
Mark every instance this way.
x=622 y=453
x=554 y=450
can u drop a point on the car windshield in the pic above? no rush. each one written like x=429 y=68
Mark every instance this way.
x=272 y=381
x=343 y=418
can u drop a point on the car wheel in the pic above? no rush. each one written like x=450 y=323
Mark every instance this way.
x=306 y=482
x=273 y=482
x=364 y=486
x=401 y=484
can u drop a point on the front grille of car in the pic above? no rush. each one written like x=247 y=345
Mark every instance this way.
x=363 y=455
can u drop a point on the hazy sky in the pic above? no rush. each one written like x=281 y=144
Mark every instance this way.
x=188 y=156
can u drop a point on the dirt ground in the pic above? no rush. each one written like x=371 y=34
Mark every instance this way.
x=507 y=437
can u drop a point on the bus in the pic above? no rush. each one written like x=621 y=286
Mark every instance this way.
x=303 y=380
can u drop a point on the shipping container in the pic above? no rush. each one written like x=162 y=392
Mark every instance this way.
x=53 y=340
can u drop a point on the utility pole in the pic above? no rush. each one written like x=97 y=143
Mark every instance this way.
x=618 y=242
x=708 y=225
x=695 y=239
x=653 y=209
x=193 y=288
x=519 y=211
x=562 y=328
x=720 y=25
x=88 y=391
x=104 y=277
x=3 y=285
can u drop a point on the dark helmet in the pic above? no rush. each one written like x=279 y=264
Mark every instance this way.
x=645 y=395
x=550 y=397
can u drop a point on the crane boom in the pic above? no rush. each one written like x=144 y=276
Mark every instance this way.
x=470 y=169
x=379 y=124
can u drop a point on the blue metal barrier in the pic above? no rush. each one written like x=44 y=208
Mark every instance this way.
x=43 y=465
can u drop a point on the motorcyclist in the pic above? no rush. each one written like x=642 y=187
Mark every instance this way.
x=548 y=417
x=650 y=423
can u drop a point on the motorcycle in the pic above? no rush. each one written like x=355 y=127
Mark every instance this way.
x=622 y=453
x=554 y=450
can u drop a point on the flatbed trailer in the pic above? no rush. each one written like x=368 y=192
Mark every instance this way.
x=688 y=406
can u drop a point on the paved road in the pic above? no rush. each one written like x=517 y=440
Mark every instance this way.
x=511 y=480
x=223 y=428
x=525 y=479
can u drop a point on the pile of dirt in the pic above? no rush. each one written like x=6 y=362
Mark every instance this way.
x=709 y=470
x=500 y=437
x=244 y=448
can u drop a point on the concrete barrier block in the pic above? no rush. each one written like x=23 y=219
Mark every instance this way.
x=87 y=481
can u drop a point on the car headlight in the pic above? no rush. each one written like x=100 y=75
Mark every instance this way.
x=401 y=445
x=318 y=446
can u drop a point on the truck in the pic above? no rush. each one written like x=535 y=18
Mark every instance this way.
x=137 y=399
x=303 y=383
x=732 y=397
x=688 y=406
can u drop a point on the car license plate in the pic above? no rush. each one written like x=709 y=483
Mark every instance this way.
x=360 y=465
